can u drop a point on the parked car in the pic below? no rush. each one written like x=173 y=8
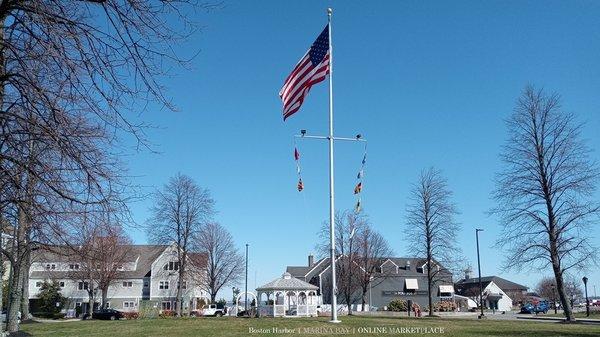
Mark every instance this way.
x=111 y=314
x=216 y=310
x=530 y=308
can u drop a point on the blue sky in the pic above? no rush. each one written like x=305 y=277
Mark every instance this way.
x=427 y=83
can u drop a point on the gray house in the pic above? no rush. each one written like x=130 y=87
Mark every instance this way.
x=396 y=278
x=150 y=274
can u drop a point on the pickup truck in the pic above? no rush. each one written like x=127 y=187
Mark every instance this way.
x=211 y=310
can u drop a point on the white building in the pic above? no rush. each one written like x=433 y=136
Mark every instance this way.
x=151 y=274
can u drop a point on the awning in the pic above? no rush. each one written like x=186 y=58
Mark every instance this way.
x=446 y=289
x=411 y=284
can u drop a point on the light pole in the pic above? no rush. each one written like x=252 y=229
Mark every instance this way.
x=477 y=230
x=246 y=286
x=587 y=301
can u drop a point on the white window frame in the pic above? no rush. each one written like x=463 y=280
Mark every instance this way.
x=162 y=305
x=128 y=304
x=83 y=285
x=127 y=284
x=38 y=284
x=163 y=285
x=61 y=284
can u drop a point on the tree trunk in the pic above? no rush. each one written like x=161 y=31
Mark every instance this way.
x=178 y=294
x=16 y=282
x=104 y=296
x=25 y=288
x=14 y=299
x=364 y=299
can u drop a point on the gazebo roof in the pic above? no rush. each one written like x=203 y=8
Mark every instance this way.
x=287 y=282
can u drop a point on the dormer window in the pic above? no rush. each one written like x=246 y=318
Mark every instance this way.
x=74 y=266
x=172 y=265
x=50 y=266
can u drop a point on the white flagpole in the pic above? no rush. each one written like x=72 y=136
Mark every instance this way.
x=331 y=188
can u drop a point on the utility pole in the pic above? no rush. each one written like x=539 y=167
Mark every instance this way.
x=477 y=230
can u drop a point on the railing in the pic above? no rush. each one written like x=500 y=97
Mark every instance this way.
x=279 y=310
x=302 y=310
x=312 y=310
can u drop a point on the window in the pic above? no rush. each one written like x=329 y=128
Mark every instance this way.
x=184 y=285
x=38 y=284
x=50 y=266
x=107 y=305
x=166 y=305
x=172 y=265
x=129 y=304
x=146 y=284
x=82 y=286
x=74 y=266
x=163 y=285
x=61 y=284
x=127 y=284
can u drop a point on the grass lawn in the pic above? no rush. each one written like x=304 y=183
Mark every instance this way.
x=595 y=314
x=357 y=326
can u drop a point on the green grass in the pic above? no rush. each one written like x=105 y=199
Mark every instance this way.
x=356 y=326
x=595 y=314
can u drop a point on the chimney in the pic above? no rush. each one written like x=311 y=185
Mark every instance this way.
x=407 y=266
x=311 y=260
x=467 y=273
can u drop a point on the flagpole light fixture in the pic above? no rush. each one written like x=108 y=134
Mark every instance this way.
x=303 y=132
x=358 y=136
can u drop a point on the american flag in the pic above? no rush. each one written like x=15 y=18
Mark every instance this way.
x=312 y=69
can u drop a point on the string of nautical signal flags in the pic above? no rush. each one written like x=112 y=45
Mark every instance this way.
x=359 y=177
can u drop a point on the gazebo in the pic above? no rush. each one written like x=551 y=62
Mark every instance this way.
x=287 y=296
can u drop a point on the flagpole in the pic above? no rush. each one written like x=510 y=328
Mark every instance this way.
x=331 y=184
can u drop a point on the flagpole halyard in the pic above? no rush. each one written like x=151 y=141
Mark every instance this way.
x=331 y=180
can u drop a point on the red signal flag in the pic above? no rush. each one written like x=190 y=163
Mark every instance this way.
x=296 y=154
x=358 y=188
x=300 y=185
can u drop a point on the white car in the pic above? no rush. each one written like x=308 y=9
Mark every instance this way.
x=211 y=310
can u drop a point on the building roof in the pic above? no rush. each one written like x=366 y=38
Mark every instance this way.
x=401 y=262
x=145 y=255
x=465 y=285
x=287 y=282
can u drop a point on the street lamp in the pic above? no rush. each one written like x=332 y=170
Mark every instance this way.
x=477 y=230
x=587 y=301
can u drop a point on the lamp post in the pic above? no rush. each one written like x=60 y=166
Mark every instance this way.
x=587 y=301
x=246 y=286
x=477 y=230
x=554 y=297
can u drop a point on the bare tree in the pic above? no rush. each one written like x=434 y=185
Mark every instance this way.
x=347 y=225
x=103 y=257
x=431 y=228
x=71 y=73
x=544 y=192
x=224 y=263
x=180 y=210
x=546 y=288
x=373 y=249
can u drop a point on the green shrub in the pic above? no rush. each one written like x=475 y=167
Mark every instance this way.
x=50 y=298
x=49 y=315
x=398 y=305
